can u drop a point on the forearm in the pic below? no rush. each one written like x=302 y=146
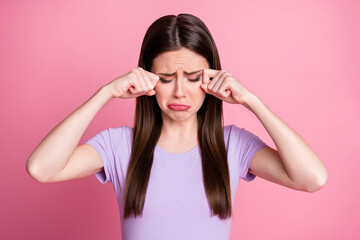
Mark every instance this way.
x=54 y=151
x=300 y=161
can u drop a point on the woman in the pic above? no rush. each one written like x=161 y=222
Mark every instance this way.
x=176 y=172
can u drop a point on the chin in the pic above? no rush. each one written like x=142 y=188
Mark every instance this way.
x=179 y=116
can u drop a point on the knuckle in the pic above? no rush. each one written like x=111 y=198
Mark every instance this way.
x=132 y=74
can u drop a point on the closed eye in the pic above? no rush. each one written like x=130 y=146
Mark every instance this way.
x=191 y=80
x=195 y=80
x=164 y=81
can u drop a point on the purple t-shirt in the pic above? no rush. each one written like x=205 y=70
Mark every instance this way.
x=176 y=205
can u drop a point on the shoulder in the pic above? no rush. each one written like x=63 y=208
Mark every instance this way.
x=120 y=134
x=119 y=131
x=122 y=129
x=113 y=135
x=234 y=134
x=230 y=130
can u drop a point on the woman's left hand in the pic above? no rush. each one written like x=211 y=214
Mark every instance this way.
x=224 y=86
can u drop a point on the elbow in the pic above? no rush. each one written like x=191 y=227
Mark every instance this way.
x=33 y=172
x=319 y=183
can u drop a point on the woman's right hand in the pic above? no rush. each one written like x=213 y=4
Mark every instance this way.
x=135 y=83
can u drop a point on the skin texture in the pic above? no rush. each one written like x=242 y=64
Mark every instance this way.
x=179 y=133
x=292 y=164
x=179 y=88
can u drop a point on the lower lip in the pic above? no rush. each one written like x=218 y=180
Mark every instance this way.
x=179 y=107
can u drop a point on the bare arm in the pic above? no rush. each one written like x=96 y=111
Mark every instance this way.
x=57 y=157
x=294 y=164
x=53 y=153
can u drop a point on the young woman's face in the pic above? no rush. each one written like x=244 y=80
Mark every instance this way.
x=178 y=91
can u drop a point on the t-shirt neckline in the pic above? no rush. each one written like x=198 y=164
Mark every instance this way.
x=160 y=149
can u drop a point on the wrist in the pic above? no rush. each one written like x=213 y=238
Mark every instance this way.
x=251 y=101
x=106 y=92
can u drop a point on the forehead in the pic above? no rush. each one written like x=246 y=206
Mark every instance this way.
x=182 y=59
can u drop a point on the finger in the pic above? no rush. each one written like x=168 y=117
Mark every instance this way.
x=205 y=88
x=150 y=93
x=215 y=80
x=133 y=80
x=153 y=77
x=227 y=93
x=146 y=78
x=155 y=81
x=140 y=80
x=209 y=73
x=128 y=85
x=132 y=90
x=220 y=81
x=136 y=85
x=224 y=89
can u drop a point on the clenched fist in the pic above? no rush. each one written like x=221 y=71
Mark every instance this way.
x=135 y=83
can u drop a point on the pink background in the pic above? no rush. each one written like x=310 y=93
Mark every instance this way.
x=300 y=57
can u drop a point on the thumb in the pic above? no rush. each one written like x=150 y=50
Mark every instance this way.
x=153 y=77
x=128 y=84
x=204 y=87
x=209 y=73
x=150 y=93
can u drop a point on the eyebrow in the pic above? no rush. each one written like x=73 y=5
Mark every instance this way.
x=171 y=74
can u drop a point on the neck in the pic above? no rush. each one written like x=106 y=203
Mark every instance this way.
x=185 y=130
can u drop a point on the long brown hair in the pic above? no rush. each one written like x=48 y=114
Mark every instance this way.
x=170 y=33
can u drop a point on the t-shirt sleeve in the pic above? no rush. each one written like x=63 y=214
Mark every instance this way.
x=103 y=142
x=244 y=146
x=252 y=145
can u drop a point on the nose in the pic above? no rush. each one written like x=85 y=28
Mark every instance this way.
x=179 y=88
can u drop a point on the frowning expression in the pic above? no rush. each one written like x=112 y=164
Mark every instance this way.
x=178 y=91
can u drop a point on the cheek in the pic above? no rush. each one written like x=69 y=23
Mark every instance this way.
x=158 y=89
x=196 y=88
x=198 y=94
x=160 y=93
